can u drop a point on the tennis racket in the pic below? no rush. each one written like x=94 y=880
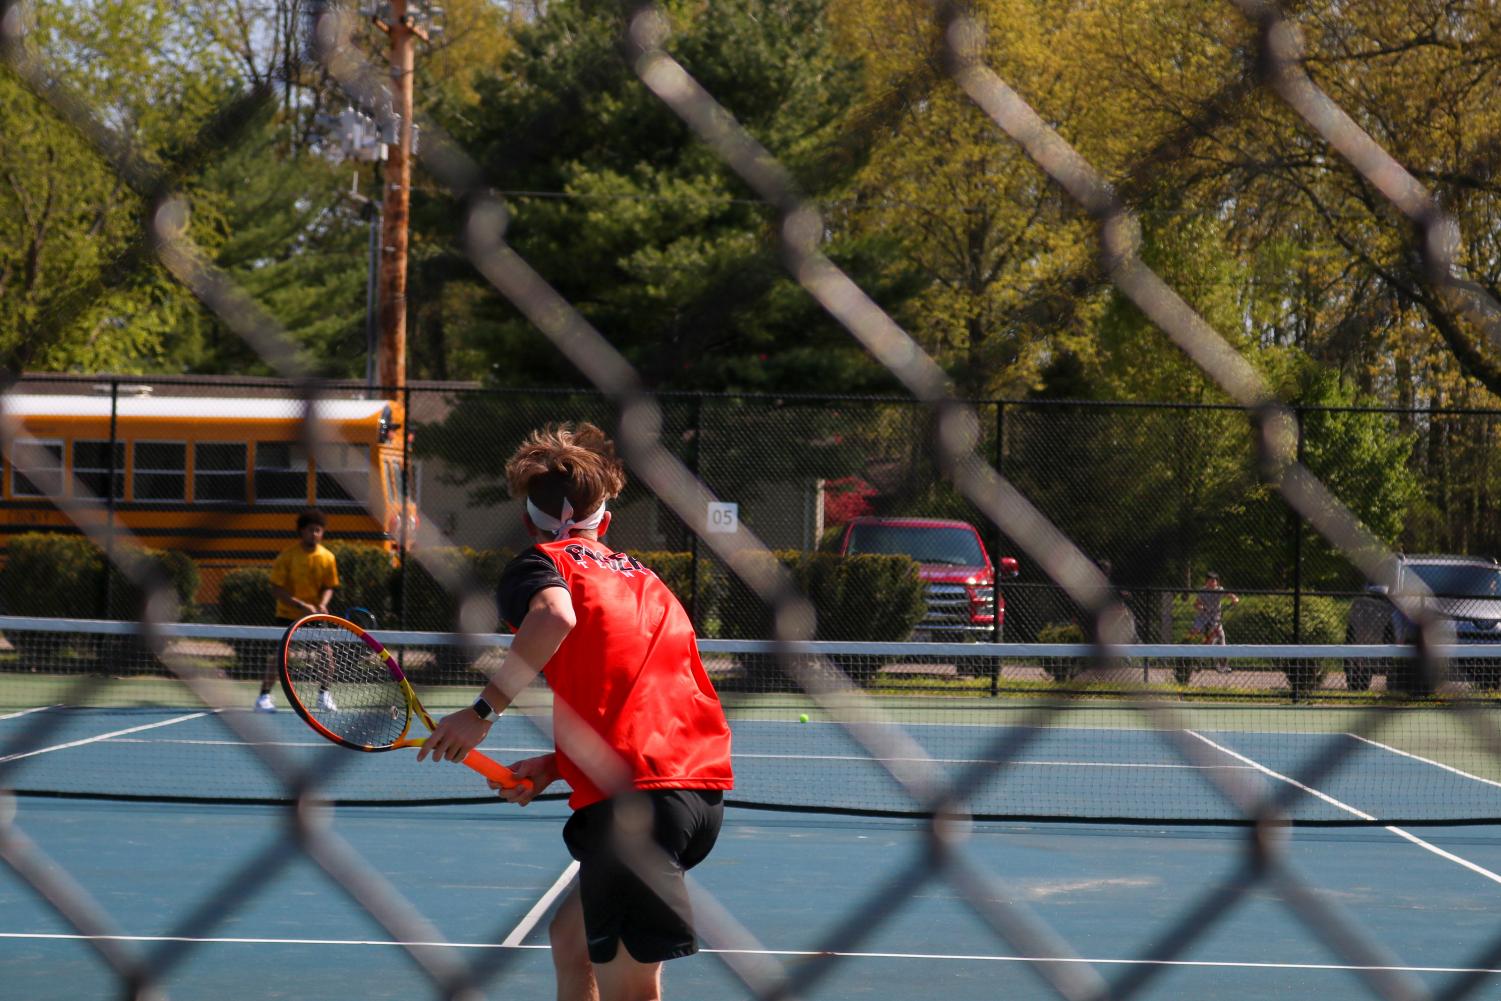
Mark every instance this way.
x=349 y=689
x=362 y=617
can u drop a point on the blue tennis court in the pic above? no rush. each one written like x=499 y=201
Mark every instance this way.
x=218 y=898
x=1102 y=763
x=481 y=874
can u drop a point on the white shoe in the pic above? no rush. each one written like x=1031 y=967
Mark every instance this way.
x=326 y=702
x=263 y=704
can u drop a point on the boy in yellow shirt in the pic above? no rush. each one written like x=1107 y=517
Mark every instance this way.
x=303 y=579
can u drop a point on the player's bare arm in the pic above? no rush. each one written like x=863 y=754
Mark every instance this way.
x=549 y=619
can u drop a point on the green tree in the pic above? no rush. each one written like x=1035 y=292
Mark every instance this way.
x=1364 y=458
x=637 y=223
x=1335 y=270
x=81 y=289
x=1001 y=261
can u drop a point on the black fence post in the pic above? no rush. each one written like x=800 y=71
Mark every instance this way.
x=999 y=461
x=693 y=465
x=106 y=586
x=1298 y=541
x=403 y=544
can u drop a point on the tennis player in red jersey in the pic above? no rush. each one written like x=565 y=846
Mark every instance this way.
x=636 y=721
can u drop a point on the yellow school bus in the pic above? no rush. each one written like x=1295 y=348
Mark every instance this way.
x=219 y=478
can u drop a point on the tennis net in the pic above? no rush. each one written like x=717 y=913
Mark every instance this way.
x=1318 y=734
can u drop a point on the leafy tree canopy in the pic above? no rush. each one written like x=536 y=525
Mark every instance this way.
x=638 y=223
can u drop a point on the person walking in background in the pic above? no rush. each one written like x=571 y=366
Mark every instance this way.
x=638 y=731
x=1209 y=622
x=303 y=579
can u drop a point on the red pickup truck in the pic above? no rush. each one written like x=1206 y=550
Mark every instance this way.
x=963 y=602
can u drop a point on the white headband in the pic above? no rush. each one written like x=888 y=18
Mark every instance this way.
x=560 y=527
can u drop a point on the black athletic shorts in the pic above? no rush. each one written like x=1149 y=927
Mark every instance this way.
x=619 y=908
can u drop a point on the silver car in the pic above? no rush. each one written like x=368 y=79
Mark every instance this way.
x=1463 y=591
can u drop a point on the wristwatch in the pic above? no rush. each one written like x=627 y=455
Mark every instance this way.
x=483 y=709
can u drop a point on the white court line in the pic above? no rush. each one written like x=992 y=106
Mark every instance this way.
x=1426 y=761
x=1399 y=832
x=524 y=928
x=102 y=736
x=925 y=956
x=495 y=748
x=28 y=712
x=225 y=742
x=1039 y=762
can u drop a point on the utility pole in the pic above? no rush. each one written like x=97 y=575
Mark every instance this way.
x=402 y=29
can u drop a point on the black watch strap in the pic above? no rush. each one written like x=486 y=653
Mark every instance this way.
x=483 y=709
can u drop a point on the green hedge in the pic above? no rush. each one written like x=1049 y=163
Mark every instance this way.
x=1268 y=618
x=365 y=575
x=65 y=576
x=429 y=604
x=869 y=597
x=245 y=597
x=56 y=575
x=1061 y=632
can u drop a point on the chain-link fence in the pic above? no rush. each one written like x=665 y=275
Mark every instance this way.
x=1157 y=495
x=1239 y=489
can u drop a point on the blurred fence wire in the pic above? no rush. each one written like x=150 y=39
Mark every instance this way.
x=960 y=434
x=1158 y=493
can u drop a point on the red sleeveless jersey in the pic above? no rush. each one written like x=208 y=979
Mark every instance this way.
x=630 y=675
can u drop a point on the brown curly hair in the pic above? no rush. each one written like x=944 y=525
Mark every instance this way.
x=563 y=460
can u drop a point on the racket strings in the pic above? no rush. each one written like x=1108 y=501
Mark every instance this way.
x=347 y=688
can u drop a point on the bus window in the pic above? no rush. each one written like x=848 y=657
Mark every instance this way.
x=91 y=466
x=219 y=472
x=280 y=473
x=161 y=470
x=36 y=468
x=343 y=474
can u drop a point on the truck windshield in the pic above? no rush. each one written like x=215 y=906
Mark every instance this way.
x=925 y=544
x=1460 y=580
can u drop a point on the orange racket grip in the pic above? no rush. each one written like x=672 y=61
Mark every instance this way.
x=495 y=771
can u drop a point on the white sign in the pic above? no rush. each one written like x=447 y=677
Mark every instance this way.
x=724 y=517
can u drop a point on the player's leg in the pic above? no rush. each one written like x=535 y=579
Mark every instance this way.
x=624 y=979
x=263 y=701
x=1217 y=638
x=570 y=951
x=325 y=678
x=634 y=912
x=579 y=979
x=658 y=922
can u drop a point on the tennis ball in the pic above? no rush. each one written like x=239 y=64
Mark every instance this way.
x=803 y=718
